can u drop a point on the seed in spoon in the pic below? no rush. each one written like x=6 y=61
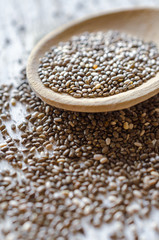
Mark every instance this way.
x=98 y=64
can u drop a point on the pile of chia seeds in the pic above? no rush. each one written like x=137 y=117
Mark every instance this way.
x=98 y=64
x=62 y=171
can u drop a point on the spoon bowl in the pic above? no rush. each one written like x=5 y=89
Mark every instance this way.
x=142 y=23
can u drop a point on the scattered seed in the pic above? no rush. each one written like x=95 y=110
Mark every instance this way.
x=104 y=160
x=126 y=125
x=64 y=170
x=98 y=157
x=13 y=101
x=108 y=141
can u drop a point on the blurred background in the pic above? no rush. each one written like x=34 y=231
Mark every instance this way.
x=23 y=23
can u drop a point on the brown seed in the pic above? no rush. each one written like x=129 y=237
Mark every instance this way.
x=104 y=160
x=98 y=157
x=49 y=146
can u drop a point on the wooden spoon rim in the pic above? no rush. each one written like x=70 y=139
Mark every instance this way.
x=100 y=104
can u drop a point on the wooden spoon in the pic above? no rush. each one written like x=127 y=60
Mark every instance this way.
x=142 y=23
